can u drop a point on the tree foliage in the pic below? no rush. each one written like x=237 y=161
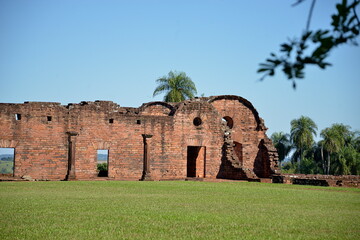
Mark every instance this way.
x=302 y=134
x=337 y=153
x=282 y=144
x=177 y=87
x=334 y=140
x=102 y=166
x=295 y=54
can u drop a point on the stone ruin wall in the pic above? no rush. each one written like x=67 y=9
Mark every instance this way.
x=40 y=145
x=46 y=136
x=318 y=180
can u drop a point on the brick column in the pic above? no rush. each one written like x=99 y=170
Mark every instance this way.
x=71 y=156
x=146 y=176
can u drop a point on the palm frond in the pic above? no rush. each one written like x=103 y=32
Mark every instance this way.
x=177 y=87
x=160 y=89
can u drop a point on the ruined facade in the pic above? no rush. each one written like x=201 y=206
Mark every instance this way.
x=215 y=137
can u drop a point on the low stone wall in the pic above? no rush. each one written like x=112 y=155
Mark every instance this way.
x=318 y=180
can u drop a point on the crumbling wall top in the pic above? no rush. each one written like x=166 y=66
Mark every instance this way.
x=151 y=108
x=157 y=108
x=246 y=103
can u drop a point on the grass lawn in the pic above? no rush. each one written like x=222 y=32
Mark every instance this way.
x=176 y=210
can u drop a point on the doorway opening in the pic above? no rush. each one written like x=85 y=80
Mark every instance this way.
x=7 y=157
x=196 y=161
x=103 y=162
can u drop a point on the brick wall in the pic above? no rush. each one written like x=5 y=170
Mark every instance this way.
x=318 y=180
x=186 y=137
x=37 y=132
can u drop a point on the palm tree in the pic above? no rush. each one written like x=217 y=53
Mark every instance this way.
x=317 y=154
x=335 y=138
x=301 y=134
x=282 y=144
x=356 y=140
x=321 y=147
x=177 y=86
x=332 y=143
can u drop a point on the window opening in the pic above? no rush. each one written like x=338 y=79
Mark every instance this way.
x=138 y=121
x=111 y=120
x=197 y=121
x=49 y=118
x=18 y=116
x=228 y=121
x=7 y=156
x=102 y=162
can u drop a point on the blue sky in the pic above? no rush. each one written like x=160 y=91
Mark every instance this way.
x=70 y=51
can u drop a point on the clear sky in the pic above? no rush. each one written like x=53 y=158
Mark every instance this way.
x=85 y=50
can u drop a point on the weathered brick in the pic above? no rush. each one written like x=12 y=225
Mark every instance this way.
x=188 y=139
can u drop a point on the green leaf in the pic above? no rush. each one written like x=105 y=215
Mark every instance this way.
x=355 y=30
x=286 y=47
x=335 y=21
x=323 y=65
x=262 y=70
x=266 y=65
x=306 y=35
x=274 y=61
x=342 y=8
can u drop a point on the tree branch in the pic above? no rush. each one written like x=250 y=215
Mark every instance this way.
x=297 y=3
x=356 y=16
x=310 y=15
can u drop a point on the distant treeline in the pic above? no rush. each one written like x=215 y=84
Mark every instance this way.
x=6 y=158
x=337 y=153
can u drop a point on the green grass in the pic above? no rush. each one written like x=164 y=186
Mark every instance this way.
x=176 y=210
